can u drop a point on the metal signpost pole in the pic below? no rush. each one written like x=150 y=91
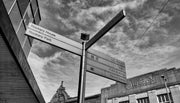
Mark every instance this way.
x=85 y=38
x=82 y=75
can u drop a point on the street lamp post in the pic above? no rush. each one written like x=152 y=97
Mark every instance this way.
x=167 y=89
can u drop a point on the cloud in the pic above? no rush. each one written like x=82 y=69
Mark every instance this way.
x=94 y=83
x=62 y=66
x=72 y=16
x=39 y=46
x=43 y=49
x=138 y=54
x=36 y=64
x=50 y=71
x=156 y=49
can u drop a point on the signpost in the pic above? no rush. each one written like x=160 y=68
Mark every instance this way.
x=106 y=66
x=96 y=63
x=97 y=69
x=52 y=38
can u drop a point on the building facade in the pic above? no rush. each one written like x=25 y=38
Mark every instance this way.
x=21 y=13
x=17 y=83
x=147 y=88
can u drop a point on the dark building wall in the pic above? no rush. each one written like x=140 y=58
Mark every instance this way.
x=13 y=86
x=17 y=83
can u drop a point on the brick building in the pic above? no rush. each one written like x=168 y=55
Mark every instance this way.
x=17 y=83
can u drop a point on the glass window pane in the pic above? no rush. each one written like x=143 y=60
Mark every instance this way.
x=166 y=98
x=159 y=98
x=8 y=4
x=143 y=100
x=23 y=5
x=34 y=5
x=15 y=17
x=28 y=16
x=20 y=34
x=26 y=47
x=163 y=98
x=30 y=40
x=37 y=17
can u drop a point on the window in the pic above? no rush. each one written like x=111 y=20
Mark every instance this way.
x=124 y=102
x=28 y=15
x=143 y=100
x=37 y=17
x=163 y=98
x=20 y=34
x=23 y=5
x=8 y=4
x=30 y=40
x=34 y=5
x=26 y=46
x=15 y=16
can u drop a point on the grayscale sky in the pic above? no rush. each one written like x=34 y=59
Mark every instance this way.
x=147 y=39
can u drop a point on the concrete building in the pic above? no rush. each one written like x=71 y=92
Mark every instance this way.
x=17 y=83
x=146 y=88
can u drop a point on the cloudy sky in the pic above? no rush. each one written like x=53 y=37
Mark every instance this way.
x=147 y=39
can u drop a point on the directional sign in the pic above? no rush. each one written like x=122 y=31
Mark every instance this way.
x=53 y=38
x=106 y=28
x=106 y=66
x=97 y=63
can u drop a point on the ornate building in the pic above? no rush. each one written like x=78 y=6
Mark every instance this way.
x=60 y=96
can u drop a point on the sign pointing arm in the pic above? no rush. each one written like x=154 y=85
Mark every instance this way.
x=106 y=28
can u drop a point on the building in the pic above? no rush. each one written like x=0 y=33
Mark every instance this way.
x=146 y=88
x=17 y=83
x=61 y=96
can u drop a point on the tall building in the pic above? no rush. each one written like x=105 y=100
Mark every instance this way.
x=17 y=83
